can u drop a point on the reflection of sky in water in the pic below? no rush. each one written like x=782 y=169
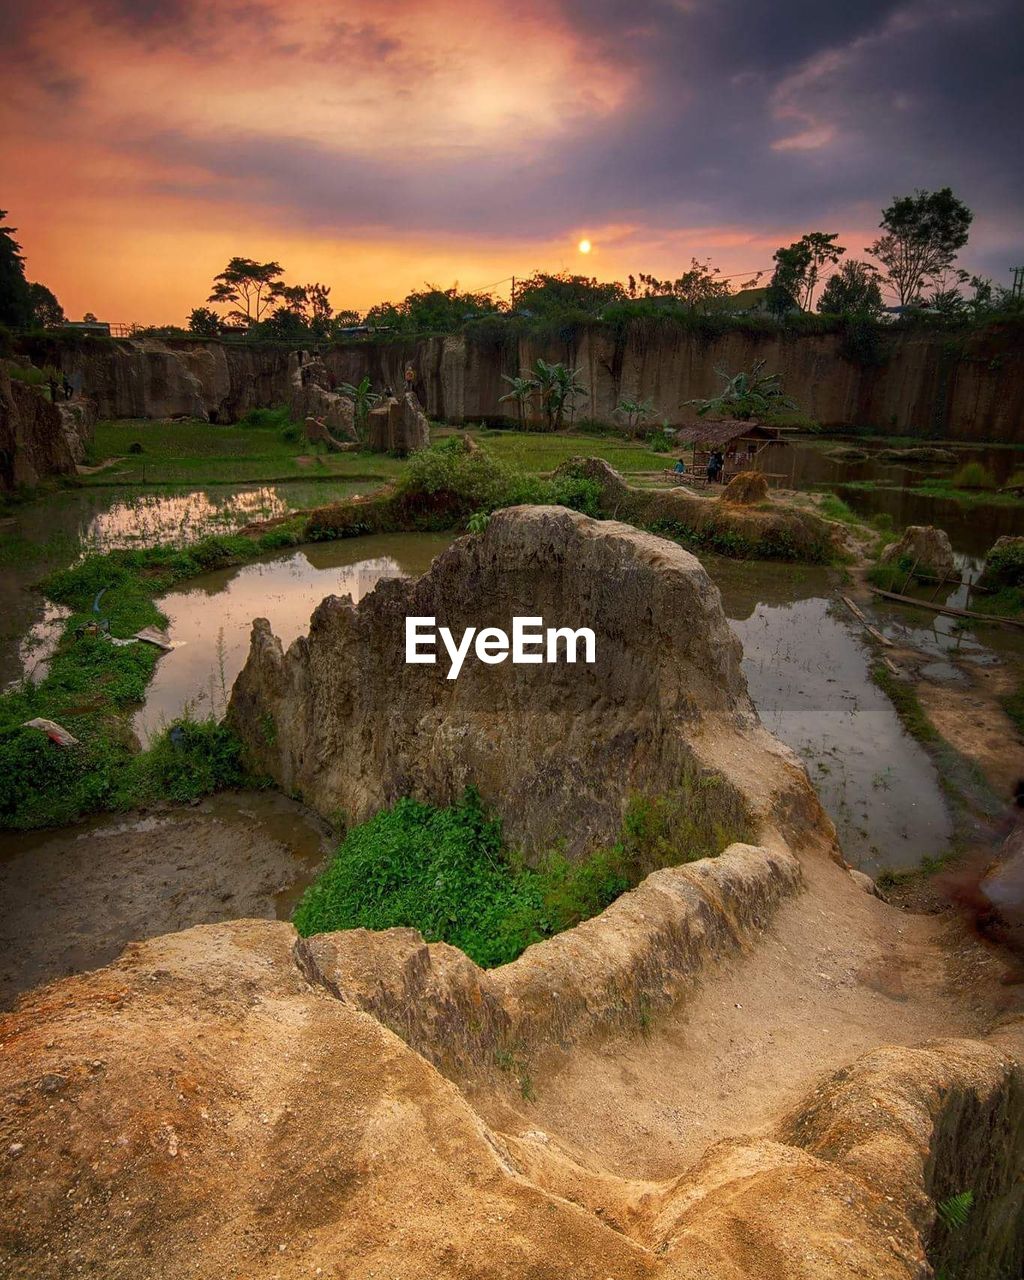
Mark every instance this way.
x=211 y=620
x=807 y=669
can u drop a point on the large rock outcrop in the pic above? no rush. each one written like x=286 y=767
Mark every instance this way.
x=37 y=438
x=558 y=750
x=399 y=426
x=310 y=395
x=928 y=549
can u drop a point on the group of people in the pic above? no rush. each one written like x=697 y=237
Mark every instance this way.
x=715 y=467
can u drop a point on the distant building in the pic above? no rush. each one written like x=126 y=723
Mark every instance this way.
x=87 y=326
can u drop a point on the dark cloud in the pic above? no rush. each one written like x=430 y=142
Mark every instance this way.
x=791 y=115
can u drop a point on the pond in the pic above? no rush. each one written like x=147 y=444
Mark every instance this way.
x=53 y=532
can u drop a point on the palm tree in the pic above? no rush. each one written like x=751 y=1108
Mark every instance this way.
x=363 y=398
x=557 y=386
x=522 y=392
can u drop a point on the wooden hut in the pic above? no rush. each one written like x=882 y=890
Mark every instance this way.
x=740 y=443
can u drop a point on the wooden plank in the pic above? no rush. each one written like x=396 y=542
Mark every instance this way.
x=872 y=631
x=949 y=610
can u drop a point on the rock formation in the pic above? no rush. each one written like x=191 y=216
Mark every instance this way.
x=311 y=397
x=399 y=426
x=37 y=438
x=1004 y=564
x=558 y=750
x=926 y=547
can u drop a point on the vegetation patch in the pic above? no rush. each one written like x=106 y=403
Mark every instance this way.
x=448 y=873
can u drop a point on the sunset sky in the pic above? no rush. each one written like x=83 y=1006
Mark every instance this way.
x=379 y=146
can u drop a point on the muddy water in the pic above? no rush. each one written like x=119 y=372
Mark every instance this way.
x=57 y=530
x=71 y=900
x=808 y=669
x=210 y=621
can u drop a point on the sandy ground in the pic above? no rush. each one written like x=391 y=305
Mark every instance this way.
x=70 y=900
x=833 y=978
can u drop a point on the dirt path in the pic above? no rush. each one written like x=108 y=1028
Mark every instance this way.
x=836 y=976
x=71 y=900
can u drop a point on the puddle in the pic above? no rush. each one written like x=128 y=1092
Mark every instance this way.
x=211 y=621
x=73 y=899
x=807 y=668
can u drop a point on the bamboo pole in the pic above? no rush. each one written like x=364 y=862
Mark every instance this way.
x=949 y=610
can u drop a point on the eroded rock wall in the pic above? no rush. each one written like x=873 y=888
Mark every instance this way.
x=928 y=385
x=37 y=438
x=558 y=750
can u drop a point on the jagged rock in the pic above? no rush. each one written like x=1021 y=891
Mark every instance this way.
x=863 y=881
x=37 y=438
x=746 y=489
x=924 y=546
x=312 y=399
x=399 y=426
x=556 y=749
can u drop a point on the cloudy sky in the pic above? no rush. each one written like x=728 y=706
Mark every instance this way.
x=377 y=146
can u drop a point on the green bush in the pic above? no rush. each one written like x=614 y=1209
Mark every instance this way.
x=1004 y=566
x=191 y=758
x=973 y=475
x=446 y=872
x=278 y=418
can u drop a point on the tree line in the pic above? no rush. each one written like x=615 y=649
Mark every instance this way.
x=914 y=258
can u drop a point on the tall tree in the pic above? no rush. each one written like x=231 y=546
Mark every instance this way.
x=798 y=268
x=15 y=295
x=46 y=310
x=922 y=235
x=696 y=289
x=852 y=290
x=252 y=286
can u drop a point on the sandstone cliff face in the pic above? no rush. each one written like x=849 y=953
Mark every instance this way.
x=928 y=385
x=37 y=438
x=557 y=750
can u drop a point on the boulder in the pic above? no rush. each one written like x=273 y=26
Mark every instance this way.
x=925 y=547
x=558 y=750
x=1004 y=564
x=399 y=426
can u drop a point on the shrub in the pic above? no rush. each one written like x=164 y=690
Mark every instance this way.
x=191 y=758
x=1004 y=566
x=446 y=872
x=973 y=475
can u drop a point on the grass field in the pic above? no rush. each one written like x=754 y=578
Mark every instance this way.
x=203 y=453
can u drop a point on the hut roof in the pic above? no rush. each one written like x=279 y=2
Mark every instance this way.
x=724 y=433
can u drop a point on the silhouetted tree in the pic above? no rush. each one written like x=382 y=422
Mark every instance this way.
x=922 y=235
x=47 y=312
x=15 y=295
x=252 y=286
x=798 y=268
x=853 y=290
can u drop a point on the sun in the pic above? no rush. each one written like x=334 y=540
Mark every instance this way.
x=584 y=246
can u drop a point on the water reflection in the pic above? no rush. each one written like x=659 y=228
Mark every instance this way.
x=211 y=620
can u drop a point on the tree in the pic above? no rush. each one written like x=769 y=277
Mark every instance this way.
x=746 y=394
x=922 y=235
x=635 y=411
x=15 y=296
x=696 y=289
x=430 y=310
x=318 y=299
x=346 y=319
x=558 y=387
x=204 y=321
x=852 y=290
x=798 y=268
x=47 y=312
x=90 y=318
x=251 y=285
x=548 y=295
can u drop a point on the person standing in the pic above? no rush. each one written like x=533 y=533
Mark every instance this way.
x=410 y=380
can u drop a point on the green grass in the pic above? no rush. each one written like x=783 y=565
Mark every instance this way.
x=447 y=872
x=200 y=453
x=539 y=452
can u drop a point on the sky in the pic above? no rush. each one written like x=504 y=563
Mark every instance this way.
x=380 y=147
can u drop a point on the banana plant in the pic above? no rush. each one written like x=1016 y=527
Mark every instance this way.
x=363 y=397
x=746 y=395
x=521 y=390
